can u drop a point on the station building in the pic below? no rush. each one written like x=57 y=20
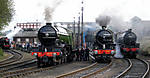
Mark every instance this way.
x=28 y=32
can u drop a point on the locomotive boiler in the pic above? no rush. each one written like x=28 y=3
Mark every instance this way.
x=104 y=47
x=56 y=45
x=128 y=44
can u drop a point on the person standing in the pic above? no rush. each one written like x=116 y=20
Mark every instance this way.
x=87 y=53
x=77 y=55
x=82 y=54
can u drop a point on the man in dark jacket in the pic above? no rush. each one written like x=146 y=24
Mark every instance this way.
x=87 y=54
x=77 y=55
x=82 y=54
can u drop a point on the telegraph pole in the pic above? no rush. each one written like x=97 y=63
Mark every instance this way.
x=78 y=37
x=74 y=33
x=82 y=24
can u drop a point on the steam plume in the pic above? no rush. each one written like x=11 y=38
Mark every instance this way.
x=103 y=20
x=13 y=32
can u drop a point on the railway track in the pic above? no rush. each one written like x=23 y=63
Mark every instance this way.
x=137 y=69
x=14 y=64
x=18 y=65
x=16 y=57
x=87 y=71
x=25 y=71
x=7 y=58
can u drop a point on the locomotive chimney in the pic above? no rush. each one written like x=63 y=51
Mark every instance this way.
x=49 y=24
x=129 y=30
x=103 y=27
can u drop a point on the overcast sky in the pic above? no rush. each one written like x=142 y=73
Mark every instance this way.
x=32 y=10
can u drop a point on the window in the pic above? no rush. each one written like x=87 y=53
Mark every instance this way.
x=18 y=39
x=27 y=39
x=35 y=40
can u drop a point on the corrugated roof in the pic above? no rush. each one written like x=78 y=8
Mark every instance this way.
x=26 y=34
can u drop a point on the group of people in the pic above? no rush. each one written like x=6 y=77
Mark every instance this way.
x=82 y=54
x=25 y=46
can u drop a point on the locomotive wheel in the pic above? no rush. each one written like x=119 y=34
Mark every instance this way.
x=134 y=56
x=38 y=63
x=47 y=64
x=108 y=60
x=65 y=60
x=51 y=62
x=41 y=64
x=61 y=61
x=69 y=59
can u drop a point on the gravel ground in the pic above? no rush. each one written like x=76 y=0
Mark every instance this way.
x=90 y=70
x=145 y=58
x=26 y=56
x=118 y=66
x=60 y=69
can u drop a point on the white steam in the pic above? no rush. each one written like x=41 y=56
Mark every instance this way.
x=118 y=24
x=13 y=32
x=114 y=18
x=118 y=53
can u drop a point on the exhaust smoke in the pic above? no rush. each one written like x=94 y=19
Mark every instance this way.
x=48 y=14
x=103 y=20
x=48 y=11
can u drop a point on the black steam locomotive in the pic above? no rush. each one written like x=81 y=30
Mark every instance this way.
x=104 y=47
x=56 y=45
x=4 y=43
x=128 y=45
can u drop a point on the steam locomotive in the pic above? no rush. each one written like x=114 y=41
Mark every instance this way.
x=104 y=47
x=128 y=45
x=56 y=45
x=4 y=43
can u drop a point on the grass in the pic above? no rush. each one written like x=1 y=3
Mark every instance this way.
x=1 y=52
x=2 y=55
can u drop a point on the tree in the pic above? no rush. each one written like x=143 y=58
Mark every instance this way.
x=6 y=12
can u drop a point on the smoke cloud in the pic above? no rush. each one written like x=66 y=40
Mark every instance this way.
x=48 y=14
x=118 y=24
x=114 y=19
x=103 y=20
x=48 y=11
